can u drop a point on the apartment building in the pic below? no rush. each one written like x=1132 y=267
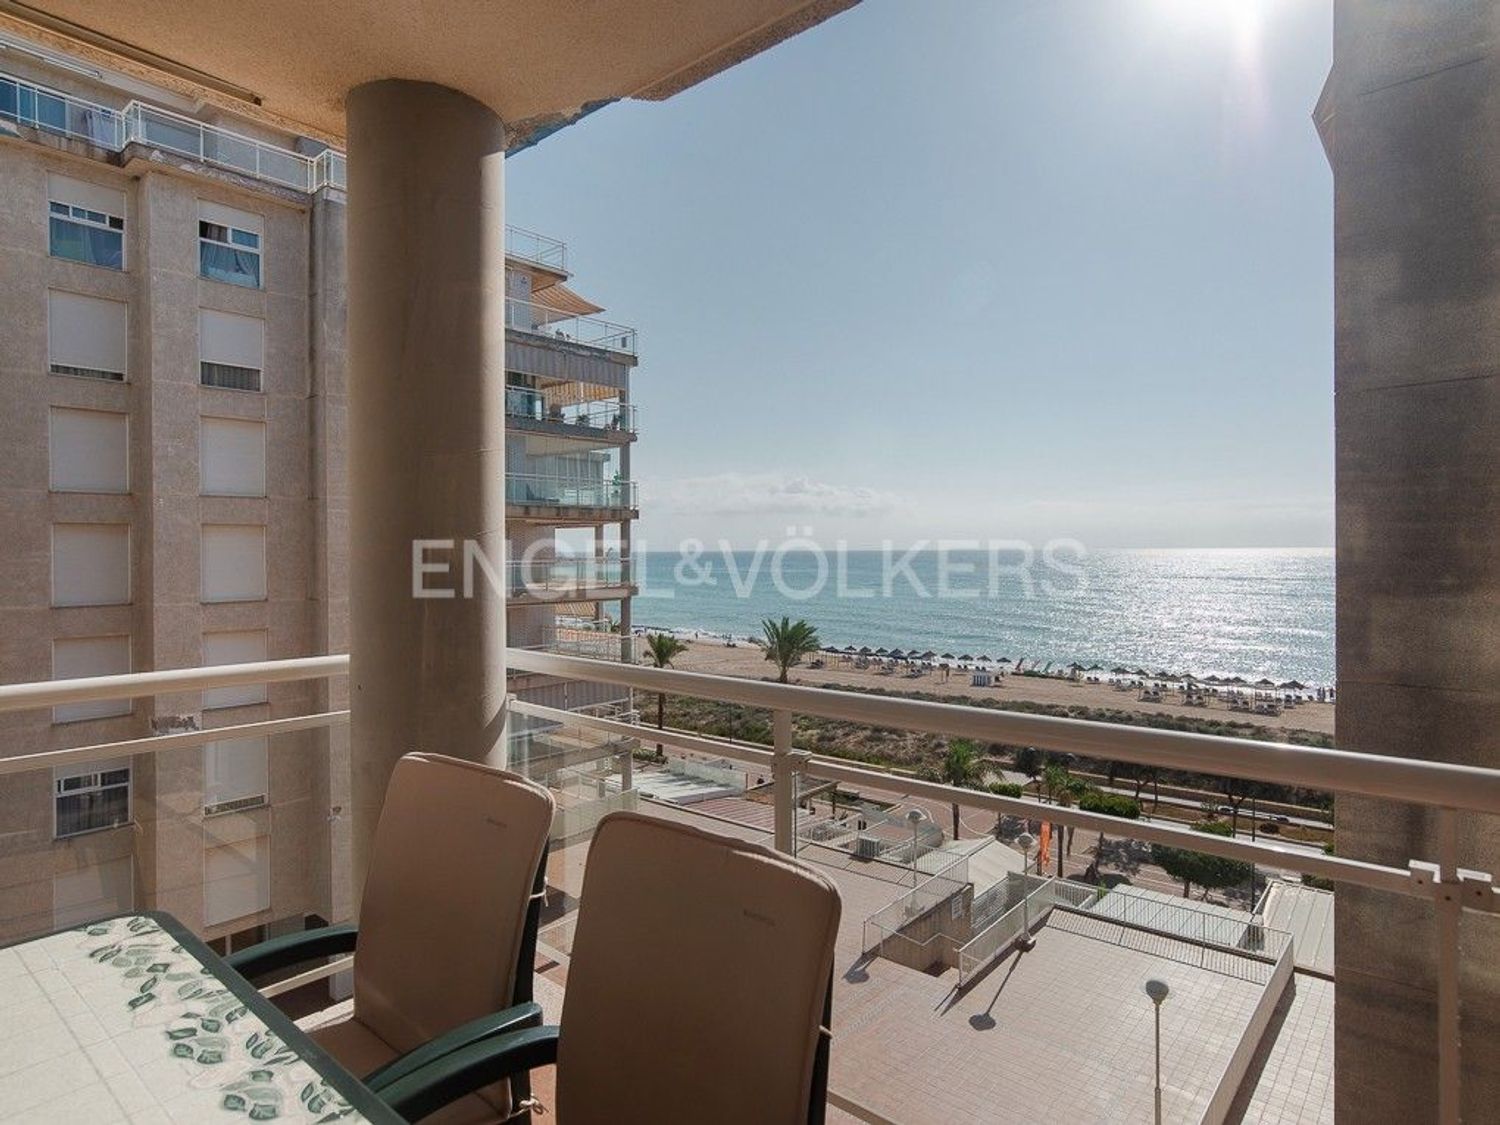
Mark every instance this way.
x=172 y=360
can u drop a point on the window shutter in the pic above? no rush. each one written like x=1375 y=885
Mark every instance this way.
x=87 y=335
x=233 y=563
x=90 y=564
x=93 y=892
x=89 y=451
x=81 y=193
x=238 y=341
x=242 y=647
x=76 y=657
x=236 y=880
x=210 y=212
x=234 y=773
x=232 y=457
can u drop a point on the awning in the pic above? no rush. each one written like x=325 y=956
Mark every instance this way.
x=563 y=301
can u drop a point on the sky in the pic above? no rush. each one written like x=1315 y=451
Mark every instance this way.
x=974 y=269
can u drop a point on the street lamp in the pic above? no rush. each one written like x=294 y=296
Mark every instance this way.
x=914 y=817
x=1026 y=941
x=1157 y=990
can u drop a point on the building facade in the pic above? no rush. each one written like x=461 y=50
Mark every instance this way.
x=172 y=361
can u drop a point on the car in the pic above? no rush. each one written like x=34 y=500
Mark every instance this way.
x=1282 y=819
x=1226 y=810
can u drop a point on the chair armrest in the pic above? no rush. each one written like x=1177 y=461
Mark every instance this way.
x=462 y=1072
x=485 y=1027
x=293 y=949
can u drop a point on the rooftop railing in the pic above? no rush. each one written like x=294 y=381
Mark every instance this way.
x=1446 y=789
x=137 y=122
x=558 y=324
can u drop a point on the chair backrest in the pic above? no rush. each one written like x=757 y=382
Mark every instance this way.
x=443 y=917
x=698 y=982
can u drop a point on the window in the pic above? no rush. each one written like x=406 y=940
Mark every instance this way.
x=232 y=457
x=76 y=657
x=92 y=892
x=86 y=222
x=87 y=336
x=235 y=776
x=90 y=564
x=88 y=798
x=233 y=561
x=231 y=350
x=88 y=451
x=229 y=245
x=241 y=647
x=236 y=880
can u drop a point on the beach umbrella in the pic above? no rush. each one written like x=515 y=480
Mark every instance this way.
x=1004 y=660
x=1094 y=668
x=984 y=659
x=882 y=652
x=1213 y=679
x=947 y=656
x=1265 y=683
x=966 y=656
x=1075 y=667
x=1119 y=670
x=865 y=651
x=1140 y=672
x=830 y=648
x=896 y=654
x=928 y=655
x=1293 y=685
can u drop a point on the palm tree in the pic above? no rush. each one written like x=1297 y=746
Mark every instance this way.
x=961 y=768
x=661 y=650
x=787 y=643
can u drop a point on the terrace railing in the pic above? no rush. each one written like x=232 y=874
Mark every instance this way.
x=561 y=579
x=558 y=324
x=606 y=415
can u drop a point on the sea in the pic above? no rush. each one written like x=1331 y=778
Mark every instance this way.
x=1228 y=612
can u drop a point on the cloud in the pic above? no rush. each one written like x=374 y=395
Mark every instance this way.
x=730 y=494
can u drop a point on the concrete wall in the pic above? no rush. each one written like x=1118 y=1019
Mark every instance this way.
x=1411 y=122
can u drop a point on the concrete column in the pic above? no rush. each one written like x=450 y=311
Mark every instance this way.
x=1410 y=119
x=426 y=231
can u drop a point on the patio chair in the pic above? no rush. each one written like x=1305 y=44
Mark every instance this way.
x=699 y=989
x=447 y=930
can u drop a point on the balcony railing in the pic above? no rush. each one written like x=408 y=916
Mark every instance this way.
x=608 y=415
x=560 y=492
x=560 y=579
x=53 y=111
x=529 y=246
x=556 y=324
x=1445 y=789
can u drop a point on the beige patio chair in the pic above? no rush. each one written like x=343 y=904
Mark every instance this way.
x=699 y=990
x=447 y=930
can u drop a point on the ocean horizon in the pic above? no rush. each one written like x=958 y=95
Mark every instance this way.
x=1251 y=612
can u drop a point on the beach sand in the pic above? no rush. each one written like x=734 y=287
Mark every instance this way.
x=745 y=660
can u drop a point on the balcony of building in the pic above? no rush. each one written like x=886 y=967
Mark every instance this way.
x=546 y=323
x=578 y=411
x=555 y=580
x=564 y=500
x=938 y=1009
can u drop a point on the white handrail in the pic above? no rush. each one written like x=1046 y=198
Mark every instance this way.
x=1408 y=780
x=133 y=685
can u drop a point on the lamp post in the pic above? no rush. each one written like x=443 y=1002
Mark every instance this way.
x=914 y=817
x=1157 y=990
x=1025 y=941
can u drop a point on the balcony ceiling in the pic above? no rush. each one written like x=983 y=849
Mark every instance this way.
x=537 y=63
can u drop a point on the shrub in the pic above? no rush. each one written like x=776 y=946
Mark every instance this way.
x=1006 y=789
x=1110 y=804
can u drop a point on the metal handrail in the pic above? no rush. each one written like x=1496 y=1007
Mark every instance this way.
x=568 y=492
x=1408 y=780
x=550 y=323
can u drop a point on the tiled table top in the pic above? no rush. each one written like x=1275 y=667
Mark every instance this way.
x=134 y=1020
